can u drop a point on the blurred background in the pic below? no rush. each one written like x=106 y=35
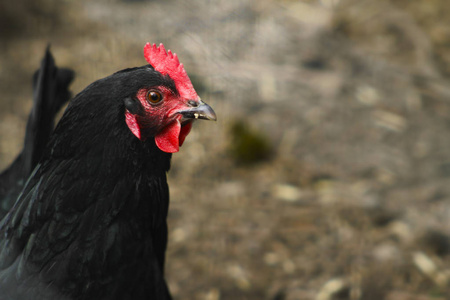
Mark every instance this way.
x=327 y=175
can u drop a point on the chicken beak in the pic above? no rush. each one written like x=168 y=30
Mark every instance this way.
x=199 y=110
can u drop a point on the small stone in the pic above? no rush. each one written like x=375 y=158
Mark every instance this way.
x=424 y=264
x=213 y=294
x=390 y=120
x=331 y=288
x=271 y=258
x=287 y=192
x=367 y=95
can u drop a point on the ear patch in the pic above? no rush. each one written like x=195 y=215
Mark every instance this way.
x=133 y=105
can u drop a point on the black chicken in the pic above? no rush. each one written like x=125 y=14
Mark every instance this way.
x=90 y=222
x=50 y=93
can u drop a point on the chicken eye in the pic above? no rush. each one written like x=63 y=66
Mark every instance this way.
x=154 y=97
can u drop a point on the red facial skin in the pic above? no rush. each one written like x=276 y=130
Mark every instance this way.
x=162 y=117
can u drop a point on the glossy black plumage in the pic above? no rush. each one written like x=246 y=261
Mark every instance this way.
x=50 y=93
x=91 y=220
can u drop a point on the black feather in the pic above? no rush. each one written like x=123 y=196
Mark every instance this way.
x=133 y=106
x=50 y=93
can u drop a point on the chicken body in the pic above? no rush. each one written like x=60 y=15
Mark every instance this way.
x=90 y=222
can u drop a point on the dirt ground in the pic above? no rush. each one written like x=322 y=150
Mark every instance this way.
x=327 y=174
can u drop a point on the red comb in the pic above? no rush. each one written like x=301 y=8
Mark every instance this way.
x=168 y=64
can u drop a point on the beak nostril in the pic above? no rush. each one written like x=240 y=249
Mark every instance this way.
x=193 y=103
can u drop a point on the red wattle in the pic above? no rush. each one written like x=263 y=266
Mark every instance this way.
x=168 y=140
x=184 y=132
